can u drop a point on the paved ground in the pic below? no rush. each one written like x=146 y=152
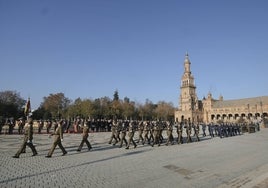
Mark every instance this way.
x=240 y=161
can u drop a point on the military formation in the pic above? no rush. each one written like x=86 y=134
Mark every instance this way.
x=130 y=134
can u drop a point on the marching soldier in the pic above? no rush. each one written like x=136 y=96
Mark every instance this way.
x=140 y=131
x=151 y=126
x=204 y=126
x=188 y=132
x=85 y=128
x=179 y=132
x=210 y=130
x=156 y=134
x=146 y=132
x=237 y=128
x=58 y=138
x=131 y=131
x=219 y=130
x=169 y=133
x=118 y=127
x=123 y=134
x=27 y=141
x=196 y=132
x=113 y=130
x=161 y=128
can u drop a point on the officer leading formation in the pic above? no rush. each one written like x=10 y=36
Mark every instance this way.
x=28 y=139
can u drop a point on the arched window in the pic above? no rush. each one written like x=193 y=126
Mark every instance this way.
x=236 y=116
x=212 y=117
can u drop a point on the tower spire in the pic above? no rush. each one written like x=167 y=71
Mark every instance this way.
x=187 y=64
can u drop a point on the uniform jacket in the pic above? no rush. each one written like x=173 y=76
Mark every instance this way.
x=28 y=131
x=59 y=131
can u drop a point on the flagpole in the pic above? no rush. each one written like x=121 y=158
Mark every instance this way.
x=27 y=108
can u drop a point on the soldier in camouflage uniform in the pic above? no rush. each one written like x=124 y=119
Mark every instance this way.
x=113 y=130
x=151 y=126
x=170 y=138
x=140 y=132
x=146 y=132
x=118 y=127
x=162 y=126
x=131 y=132
x=124 y=128
x=156 y=134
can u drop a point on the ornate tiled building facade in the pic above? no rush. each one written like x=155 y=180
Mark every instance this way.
x=210 y=110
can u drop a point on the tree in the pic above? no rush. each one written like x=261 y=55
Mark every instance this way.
x=56 y=104
x=105 y=106
x=116 y=106
x=128 y=109
x=11 y=104
x=148 y=110
x=75 y=109
x=164 y=111
x=116 y=96
x=41 y=113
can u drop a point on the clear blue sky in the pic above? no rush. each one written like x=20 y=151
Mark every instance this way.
x=88 y=49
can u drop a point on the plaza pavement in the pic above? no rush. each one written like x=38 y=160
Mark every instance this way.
x=240 y=161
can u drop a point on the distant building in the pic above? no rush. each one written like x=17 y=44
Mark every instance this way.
x=211 y=110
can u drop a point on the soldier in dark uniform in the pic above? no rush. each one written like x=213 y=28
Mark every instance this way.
x=220 y=130
x=58 y=138
x=204 y=126
x=85 y=129
x=124 y=128
x=215 y=129
x=238 y=129
x=210 y=130
x=11 y=126
x=131 y=132
x=27 y=141
x=224 y=130
x=230 y=130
